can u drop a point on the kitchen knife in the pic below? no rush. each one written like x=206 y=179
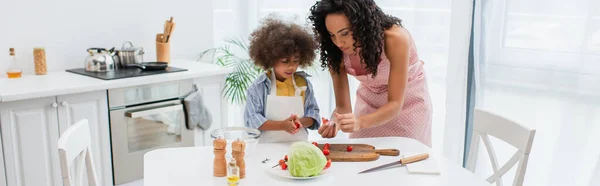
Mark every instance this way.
x=402 y=161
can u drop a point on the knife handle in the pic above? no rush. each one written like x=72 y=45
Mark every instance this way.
x=414 y=158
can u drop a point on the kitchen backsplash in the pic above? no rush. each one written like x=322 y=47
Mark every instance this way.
x=67 y=28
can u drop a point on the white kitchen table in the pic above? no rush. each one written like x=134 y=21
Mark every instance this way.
x=193 y=166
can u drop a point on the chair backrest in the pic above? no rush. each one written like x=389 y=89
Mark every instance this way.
x=519 y=136
x=74 y=147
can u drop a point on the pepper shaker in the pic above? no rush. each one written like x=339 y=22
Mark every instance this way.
x=238 y=151
x=220 y=163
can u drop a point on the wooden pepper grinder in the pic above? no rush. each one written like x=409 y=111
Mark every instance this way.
x=238 y=151
x=220 y=163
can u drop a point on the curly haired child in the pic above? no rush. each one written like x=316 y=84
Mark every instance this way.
x=281 y=102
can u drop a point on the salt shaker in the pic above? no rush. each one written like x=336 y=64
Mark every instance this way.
x=220 y=163
x=238 y=151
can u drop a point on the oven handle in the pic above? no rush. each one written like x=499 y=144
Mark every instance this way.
x=153 y=111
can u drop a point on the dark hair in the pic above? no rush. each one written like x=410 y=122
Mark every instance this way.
x=276 y=39
x=368 y=23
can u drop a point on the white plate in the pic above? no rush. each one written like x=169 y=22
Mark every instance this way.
x=286 y=174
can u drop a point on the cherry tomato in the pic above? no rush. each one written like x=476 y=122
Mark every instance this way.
x=315 y=143
x=326 y=146
x=326 y=152
x=349 y=148
x=286 y=158
x=283 y=166
x=297 y=125
x=281 y=162
x=324 y=120
x=328 y=164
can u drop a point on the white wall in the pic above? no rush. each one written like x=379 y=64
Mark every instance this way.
x=66 y=28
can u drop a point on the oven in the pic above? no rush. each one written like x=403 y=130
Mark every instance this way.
x=145 y=118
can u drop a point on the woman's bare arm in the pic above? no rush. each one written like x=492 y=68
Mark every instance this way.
x=397 y=48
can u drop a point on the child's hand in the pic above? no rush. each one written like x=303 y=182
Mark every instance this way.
x=291 y=124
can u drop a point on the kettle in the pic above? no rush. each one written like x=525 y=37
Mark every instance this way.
x=100 y=60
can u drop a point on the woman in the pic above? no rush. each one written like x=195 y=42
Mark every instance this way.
x=357 y=38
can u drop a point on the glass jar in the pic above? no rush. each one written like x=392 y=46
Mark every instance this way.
x=39 y=56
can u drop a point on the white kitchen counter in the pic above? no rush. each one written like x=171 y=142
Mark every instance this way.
x=62 y=82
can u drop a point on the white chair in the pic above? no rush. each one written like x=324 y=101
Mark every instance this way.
x=74 y=148
x=521 y=137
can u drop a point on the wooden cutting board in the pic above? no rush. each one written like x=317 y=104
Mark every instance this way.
x=359 y=153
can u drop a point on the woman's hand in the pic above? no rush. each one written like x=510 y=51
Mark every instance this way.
x=348 y=122
x=329 y=129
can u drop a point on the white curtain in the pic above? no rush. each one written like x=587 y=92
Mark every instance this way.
x=538 y=63
x=428 y=21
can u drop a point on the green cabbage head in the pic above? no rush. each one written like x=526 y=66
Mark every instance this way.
x=305 y=160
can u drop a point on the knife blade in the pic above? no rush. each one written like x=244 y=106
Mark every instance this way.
x=402 y=161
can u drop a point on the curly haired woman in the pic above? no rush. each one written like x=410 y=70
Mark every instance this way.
x=281 y=102
x=356 y=37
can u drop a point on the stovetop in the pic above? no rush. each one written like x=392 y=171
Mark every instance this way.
x=124 y=73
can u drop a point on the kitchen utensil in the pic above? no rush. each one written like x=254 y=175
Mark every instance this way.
x=170 y=32
x=100 y=60
x=359 y=153
x=248 y=135
x=151 y=65
x=130 y=55
x=160 y=38
x=402 y=162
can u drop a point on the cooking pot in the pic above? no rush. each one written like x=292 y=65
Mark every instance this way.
x=100 y=60
x=130 y=55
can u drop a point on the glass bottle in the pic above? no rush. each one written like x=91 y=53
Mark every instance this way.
x=14 y=71
x=233 y=173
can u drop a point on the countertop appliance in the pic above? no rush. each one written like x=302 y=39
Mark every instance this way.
x=124 y=72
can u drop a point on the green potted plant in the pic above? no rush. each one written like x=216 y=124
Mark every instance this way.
x=233 y=54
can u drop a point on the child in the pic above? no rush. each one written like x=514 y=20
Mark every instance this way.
x=281 y=102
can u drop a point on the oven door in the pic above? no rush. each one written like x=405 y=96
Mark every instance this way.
x=137 y=130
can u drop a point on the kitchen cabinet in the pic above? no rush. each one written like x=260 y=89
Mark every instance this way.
x=2 y=172
x=29 y=138
x=92 y=106
x=30 y=132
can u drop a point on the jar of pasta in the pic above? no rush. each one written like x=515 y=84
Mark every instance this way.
x=39 y=57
